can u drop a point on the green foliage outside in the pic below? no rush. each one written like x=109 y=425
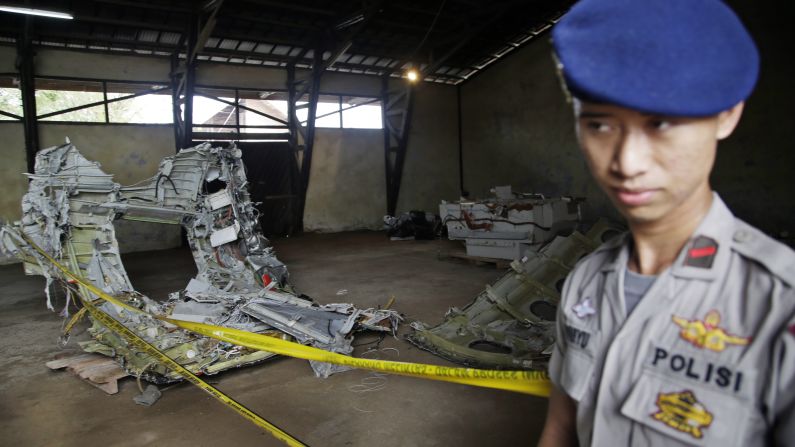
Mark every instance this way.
x=11 y=102
x=47 y=101
x=53 y=100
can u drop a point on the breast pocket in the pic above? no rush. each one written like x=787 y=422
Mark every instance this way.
x=577 y=372
x=690 y=412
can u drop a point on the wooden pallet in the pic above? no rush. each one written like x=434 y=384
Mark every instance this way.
x=98 y=370
x=477 y=260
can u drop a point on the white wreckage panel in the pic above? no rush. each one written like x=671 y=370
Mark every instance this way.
x=508 y=224
x=69 y=212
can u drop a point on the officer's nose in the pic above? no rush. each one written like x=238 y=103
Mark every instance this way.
x=631 y=154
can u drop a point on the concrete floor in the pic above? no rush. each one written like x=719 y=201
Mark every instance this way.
x=39 y=407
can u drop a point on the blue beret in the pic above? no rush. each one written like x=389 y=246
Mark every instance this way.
x=669 y=57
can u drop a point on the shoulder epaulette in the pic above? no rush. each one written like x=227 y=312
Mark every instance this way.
x=778 y=258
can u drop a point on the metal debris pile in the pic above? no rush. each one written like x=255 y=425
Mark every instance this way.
x=511 y=324
x=69 y=211
x=413 y=225
x=509 y=224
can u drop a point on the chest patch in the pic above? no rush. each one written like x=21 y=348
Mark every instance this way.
x=702 y=252
x=707 y=333
x=584 y=308
x=682 y=411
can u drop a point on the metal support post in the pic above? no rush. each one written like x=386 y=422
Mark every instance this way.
x=309 y=143
x=396 y=110
x=302 y=139
x=27 y=87
x=183 y=74
x=292 y=119
x=190 y=80
x=105 y=99
x=237 y=112
x=463 y=191
x=294 y=126
x=176 y=100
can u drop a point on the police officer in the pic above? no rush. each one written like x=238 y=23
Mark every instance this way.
x=681 y=332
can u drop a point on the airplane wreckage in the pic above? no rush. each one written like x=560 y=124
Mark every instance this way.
x=68 y=214
x=69 y=210
x=511 y=324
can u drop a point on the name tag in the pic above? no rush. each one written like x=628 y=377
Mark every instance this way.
x=576 y=336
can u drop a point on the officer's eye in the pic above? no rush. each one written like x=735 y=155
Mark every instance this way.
x=597 y=126
x=660 y=123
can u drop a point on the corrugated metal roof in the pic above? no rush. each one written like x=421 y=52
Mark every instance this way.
x=451 y=39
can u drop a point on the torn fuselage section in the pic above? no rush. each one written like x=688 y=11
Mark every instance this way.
x=205 y=190
x=69 y=212
x=511 y=324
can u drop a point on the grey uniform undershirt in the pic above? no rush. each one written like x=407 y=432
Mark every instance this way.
x=635 y=286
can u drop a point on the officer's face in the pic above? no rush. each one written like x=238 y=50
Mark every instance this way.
x=652 y=167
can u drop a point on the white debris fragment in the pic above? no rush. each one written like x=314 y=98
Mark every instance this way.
x=224 y=235
x=219 y=199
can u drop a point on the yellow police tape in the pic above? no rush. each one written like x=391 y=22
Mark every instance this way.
x=528 y=382
x=144 y=346
x=73 y=321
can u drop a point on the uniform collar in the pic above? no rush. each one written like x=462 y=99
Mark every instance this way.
x=620 y=248
x=715 y=230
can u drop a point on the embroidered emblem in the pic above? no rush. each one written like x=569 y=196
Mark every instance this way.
x=702 y=252
x=584 y=308
x=707 y=334
x=682 y=411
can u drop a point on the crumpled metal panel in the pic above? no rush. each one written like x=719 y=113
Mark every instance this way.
x=511 y=324
x=69 y=212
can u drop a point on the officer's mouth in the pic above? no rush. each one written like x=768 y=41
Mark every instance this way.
x=634 y=197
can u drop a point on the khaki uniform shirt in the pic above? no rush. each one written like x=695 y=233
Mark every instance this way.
x=706 y=358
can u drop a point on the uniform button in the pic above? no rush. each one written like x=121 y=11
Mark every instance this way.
x=742 y=236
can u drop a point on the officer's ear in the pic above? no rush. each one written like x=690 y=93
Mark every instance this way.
x=728 y=119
